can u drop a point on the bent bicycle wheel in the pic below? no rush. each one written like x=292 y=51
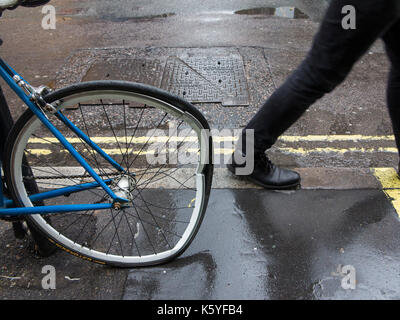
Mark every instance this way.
x=160 y=140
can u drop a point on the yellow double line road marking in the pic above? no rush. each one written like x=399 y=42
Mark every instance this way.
x=144 y=139
x=387 y=176
x=390 y=184
x=228 y=150
x=335 y=138
x=302 y=151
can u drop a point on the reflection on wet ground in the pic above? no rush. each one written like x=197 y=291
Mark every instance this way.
x=123 y=10
x=135 y=18
x=257 y=244
x=284 y=12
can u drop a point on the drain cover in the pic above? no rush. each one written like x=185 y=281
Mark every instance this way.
x=198 y=79
x=147 y=71
x=207 y=79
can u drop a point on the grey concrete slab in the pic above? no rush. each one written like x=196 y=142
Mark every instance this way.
x=257 y=244
x=314 y=178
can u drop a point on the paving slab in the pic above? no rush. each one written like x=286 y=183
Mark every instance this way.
x=257 y=244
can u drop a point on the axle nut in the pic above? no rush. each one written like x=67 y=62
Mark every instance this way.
x=117 y=206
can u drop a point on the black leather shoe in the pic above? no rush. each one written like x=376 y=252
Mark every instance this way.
x=266 y=174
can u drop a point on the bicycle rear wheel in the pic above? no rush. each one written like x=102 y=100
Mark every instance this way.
x=162 y=142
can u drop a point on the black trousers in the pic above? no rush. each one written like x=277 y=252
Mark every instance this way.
x=6 y=122
x=331 y=58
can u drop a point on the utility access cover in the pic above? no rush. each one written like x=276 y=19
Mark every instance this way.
x=207 y=79
x=198 y=79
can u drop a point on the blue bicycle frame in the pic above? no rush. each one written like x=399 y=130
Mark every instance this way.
x=7 y=206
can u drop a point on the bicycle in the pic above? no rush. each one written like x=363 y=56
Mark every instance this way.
x=87 y=149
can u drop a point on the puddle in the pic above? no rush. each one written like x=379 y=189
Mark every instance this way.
x=284 y=12
x=138 y=18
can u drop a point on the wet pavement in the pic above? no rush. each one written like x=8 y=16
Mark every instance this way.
x=151 y=9
x=256 y=244
x=253 y=244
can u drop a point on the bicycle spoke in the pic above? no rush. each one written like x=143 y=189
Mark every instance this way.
x=144 y=229
x=158 y=226
x=116 y=233
x=112 y=129
x=160 y=218
x=131 y=232
x=153 y=225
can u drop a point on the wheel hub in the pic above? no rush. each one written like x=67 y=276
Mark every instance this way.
x=123 y=187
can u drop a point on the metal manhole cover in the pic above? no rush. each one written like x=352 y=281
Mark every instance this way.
x=147 y=71
x=207 y=79
x=199 y=79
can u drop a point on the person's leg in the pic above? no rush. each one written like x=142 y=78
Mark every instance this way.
x=6 y=122
x=44 y=247
x=333 y=54
x=391 y=39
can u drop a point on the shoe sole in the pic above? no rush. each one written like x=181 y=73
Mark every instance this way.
x=294 y=186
